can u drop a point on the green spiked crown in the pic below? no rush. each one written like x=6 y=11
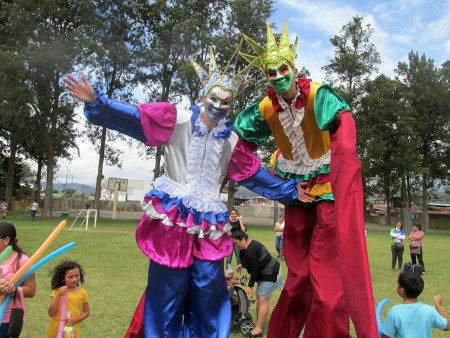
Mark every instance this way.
x=273 y=53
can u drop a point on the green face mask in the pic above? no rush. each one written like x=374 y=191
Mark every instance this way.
x=280 y=76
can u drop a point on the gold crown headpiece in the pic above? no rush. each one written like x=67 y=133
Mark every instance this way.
x=273 y=53
x=228 y=80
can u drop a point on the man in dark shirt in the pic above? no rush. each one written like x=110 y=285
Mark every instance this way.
x=264 y=270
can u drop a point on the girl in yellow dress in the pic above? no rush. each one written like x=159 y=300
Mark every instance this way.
x=66 y=278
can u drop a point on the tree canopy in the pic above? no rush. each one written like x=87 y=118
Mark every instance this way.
x=403 y=122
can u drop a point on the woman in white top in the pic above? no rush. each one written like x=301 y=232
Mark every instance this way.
x=34 y=207
x=279 y=228
x=397 y=237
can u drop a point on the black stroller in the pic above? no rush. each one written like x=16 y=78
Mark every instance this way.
x=241 y=319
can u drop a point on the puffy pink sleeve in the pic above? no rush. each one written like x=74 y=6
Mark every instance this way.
x=243 y=164
x=158 y=122
x=245 y=168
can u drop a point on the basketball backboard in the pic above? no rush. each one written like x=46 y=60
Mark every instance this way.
x=123 y=183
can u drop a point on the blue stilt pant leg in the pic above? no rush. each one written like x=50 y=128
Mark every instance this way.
x=165 y=299
x=209 y=302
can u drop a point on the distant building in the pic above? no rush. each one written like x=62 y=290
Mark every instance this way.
x=247 y=197
x=135 y=190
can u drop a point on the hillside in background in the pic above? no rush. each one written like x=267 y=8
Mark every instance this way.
x=79 y=188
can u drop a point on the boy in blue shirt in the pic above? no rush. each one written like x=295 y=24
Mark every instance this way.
x=413 y=318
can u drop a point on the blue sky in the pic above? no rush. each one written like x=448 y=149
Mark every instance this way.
x=399 y=27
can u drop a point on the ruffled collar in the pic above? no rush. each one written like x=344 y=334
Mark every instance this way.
x=222 y=130
x=279 y=103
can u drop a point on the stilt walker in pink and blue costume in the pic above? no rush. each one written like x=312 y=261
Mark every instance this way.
x=185 y=230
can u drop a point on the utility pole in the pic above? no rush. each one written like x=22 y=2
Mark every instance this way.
x=65 y=186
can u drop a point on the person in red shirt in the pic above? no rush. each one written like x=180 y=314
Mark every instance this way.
x=416 y=248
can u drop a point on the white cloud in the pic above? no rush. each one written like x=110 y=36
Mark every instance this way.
x=382 y=41
x=447 y=46
x=381 y=10
x=308 y=55
x=325 y=16
x=438 y=30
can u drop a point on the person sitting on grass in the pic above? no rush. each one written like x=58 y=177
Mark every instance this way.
x=413 y=318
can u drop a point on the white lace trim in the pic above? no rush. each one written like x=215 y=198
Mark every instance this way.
x=189 y=200
x=203 y=158
x=302 y=164
x=283 y=103
x=221 y=126
x=214 y=234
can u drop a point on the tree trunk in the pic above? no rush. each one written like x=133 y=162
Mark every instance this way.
x=408 y=186
x=9 y=189
x=424 y=203
x=403 y=208
x=37 y=183
x=101 y=160
x=231 y=191
x=388 y=207
x=157 y=171
x=48 y=199
x=275 y=212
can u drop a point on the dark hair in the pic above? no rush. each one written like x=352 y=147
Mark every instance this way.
x=9 y=230
x=418 y=226
x=59 y=272
x=401 y=225
x=412 y=283
x=239 y=235
x=234 y=210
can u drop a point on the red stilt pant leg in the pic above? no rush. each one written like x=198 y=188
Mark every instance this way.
x=313 y=290
x=136 y=328
x=327 y=316
x=290 y=313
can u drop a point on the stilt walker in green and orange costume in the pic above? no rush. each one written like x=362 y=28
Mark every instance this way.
x=328 y=278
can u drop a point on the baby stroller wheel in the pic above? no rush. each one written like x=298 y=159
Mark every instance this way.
x=246 y=326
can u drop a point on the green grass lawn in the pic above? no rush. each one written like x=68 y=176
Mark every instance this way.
x=116 y=270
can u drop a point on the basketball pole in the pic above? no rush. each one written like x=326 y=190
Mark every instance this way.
x=116 y=197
